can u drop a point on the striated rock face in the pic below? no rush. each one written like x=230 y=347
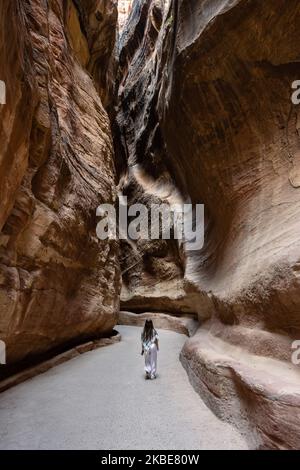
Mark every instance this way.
x=206 y=110
x=231 y=132
x=57 y=281
x=152 y=270
x=183 y=324
x=204 y=114
x=92 y=30
x=229 y=110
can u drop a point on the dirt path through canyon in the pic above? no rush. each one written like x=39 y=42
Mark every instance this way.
x=100 y=400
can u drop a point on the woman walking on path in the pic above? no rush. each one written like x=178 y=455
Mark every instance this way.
x=149 y=349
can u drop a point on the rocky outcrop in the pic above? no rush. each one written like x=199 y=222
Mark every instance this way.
x=169 y=296
x=184 y=324
x=205 y=90
x=58 y=282
x=239 y=376
x=229 y=109
x=153 y=269
x=92 y=30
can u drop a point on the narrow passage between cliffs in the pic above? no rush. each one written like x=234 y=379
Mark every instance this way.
x=100 y=400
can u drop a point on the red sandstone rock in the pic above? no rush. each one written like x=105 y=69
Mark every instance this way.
x=205 y=90
x=57 y=281
x=204 y=111
x=184 y=324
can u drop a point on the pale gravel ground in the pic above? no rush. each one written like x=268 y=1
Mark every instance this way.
x=100 y=400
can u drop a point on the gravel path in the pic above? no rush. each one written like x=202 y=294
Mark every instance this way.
x=100 y=400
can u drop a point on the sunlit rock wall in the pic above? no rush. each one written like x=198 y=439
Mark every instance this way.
x=205 y=92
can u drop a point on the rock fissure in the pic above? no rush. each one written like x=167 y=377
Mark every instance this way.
x=204 y=106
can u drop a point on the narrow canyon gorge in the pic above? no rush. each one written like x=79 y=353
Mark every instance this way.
x=158 y=101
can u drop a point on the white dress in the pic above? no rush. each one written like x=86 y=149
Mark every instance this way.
x=150 y=353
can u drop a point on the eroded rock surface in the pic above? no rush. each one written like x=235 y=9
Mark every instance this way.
x=184 y=324
x=152 y=270
x=58 y=282
x=205 y=89
x=204 y=114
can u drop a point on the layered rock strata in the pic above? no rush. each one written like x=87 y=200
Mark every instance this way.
x=205 y=93
x=58 y=282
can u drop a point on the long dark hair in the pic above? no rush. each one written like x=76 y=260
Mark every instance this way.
x=148 y=331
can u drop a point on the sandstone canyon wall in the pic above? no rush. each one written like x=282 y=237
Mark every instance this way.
x=205 y=110
x=58 y=282
x=200 y=105
x=153 y=270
